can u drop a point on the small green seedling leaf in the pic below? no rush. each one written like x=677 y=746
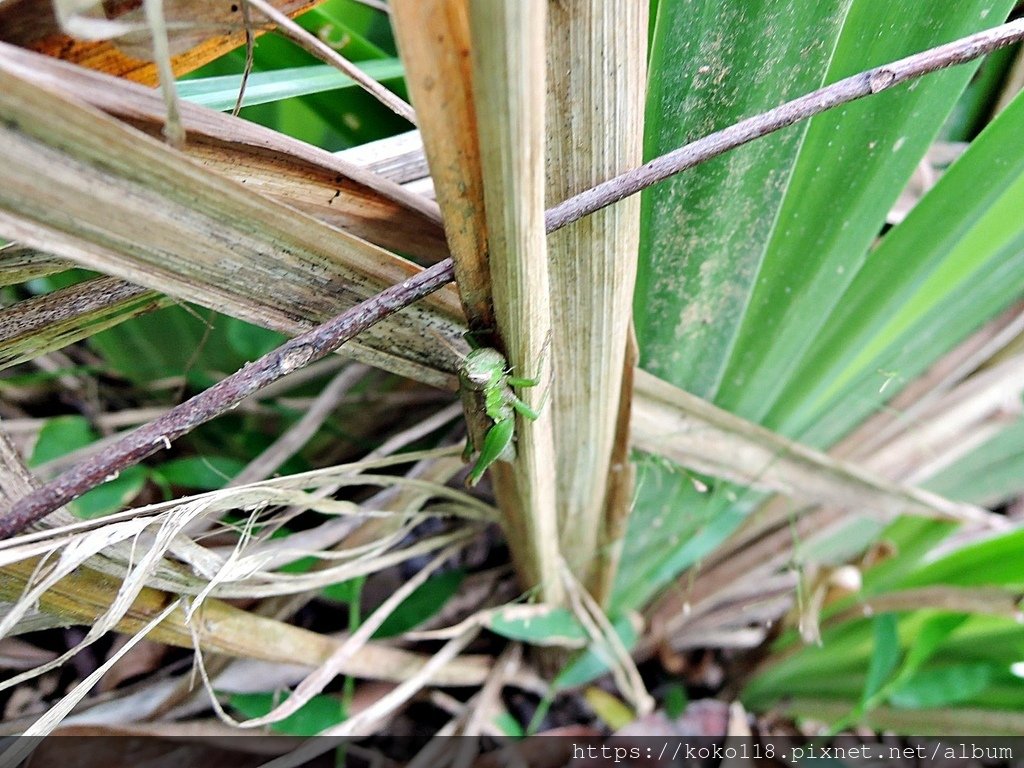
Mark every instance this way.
x=315 y=716
x=594 y=661
x=59 y=437
x=64 y=434
x=538 y=625
x=508 y=725
x=344 y=591
x=423 y=603
x=885 y=656
x=675 y=700
x=111 y=496
x=204 y=473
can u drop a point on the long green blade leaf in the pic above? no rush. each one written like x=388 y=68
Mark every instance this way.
x=263 y=87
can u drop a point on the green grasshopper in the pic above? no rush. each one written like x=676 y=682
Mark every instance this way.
x=491 y=407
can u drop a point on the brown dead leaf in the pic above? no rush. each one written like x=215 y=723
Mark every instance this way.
x=211 y=29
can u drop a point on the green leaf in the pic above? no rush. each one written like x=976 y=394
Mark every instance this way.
x=537 y=625
x=64 y=434
x=111 y=496
x=854 y=162
x=975 y=107
x=885 y=656
x=250 y=341
x=995 y=561
x=263 y=87
x=508 y=725
x=205 y=473
x=424 y=602
x=60 y=436
x=742 y=258
x=674 y=524
x=704 y=231
x=675 y=701
x=927 y=641
x=339 y=25
x=594 y=661
x=990 y=474
x=316 y=715
x=911 y=538
x=155 y=346
x=956 y=260
x=942 y=686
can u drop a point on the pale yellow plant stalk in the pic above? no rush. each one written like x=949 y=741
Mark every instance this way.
x=508 y=87
x=597 y=51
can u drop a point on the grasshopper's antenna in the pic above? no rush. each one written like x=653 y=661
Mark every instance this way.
x=451 y=347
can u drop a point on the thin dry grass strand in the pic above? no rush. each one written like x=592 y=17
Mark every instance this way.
x=238 y=572
x=73 y=556
x=250 y=45
x=604 y=637
x=488 y=700
x=315 y=682
x=22 y=747
x=325 y=53
x=416 y=432
x=292 y=440
x=173 y=131
x=366 y=720
x=285 y=490
x=246 y=578
x=474 y=718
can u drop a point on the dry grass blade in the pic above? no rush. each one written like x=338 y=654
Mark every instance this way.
x=86 y=596
x=324 y=52
x=42 y=324
x=917 y=425
x=399 y=158
x=207 y=239
x=697 y=435
x=433 y=37
x=372 y=717
x=289 y=443
x=324 y=674
x=324 y=185
x=18 y=264
x=595 y=104
x=61 y=709
x=210 y=30
x=991 y=601
x=508 y=87
x=956 y=424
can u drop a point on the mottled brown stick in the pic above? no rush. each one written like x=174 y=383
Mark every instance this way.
x=290 y=356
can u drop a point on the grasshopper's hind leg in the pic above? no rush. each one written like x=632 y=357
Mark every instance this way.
x=497 y=447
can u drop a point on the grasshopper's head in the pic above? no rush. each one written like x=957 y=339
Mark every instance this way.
x=484 y=366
